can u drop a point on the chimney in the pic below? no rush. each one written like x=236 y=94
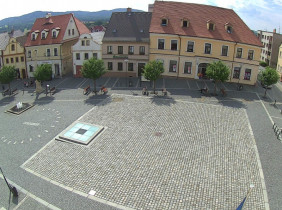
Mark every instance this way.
x=274 y=30
x=150 y=7
x=128 y=10
x=48 y=15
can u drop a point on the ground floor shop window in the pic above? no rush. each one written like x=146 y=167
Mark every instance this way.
x=247 y=74
x=120 y=67
x=172 y=66
x=236 y=73
x=130 y=66
x=187 y=68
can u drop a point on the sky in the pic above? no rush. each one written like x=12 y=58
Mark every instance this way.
x=257 y=14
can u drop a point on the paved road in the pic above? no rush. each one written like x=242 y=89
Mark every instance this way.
x=24 y=135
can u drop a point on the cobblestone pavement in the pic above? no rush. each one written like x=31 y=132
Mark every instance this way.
x=160 y=154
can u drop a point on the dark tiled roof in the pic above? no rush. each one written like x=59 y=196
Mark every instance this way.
x=4 y=40
x=128 y=26
x=22 y=39
x=60 y=22
x=198 y=15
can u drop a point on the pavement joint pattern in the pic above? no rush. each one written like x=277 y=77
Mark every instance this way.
x=205 y=157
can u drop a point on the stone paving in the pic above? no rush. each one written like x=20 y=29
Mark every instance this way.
x=160 y=154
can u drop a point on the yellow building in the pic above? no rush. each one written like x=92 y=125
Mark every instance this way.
x=14 y=55
x=279 y=61
x=186 y=41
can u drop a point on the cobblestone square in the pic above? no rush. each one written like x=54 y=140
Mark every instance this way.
x=160 y=154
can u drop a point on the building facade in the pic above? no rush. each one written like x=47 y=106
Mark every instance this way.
x=125 y=48
x=279 y=62
x=186 y=41
x=14 y=55
x=50 y=41
x=88 y=46
x=271 y=42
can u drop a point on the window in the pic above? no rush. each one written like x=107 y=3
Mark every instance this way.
x=229 y=29
x=247 y=74
x=224 y=50
x=17 y=59
x=77 y=56
x=173 y=44
x=211 y=26
x=82 y=42
x=29 y=54
x=69 y=32
x=185 y=23
x=86 y=56
x=55 y=51
x=120 y=49
x=12 y=60
x=22 y=59
x=120 y=67
x=130 y=66
x=110 y=65
x=43 y=35
x=142 y=50
x=236 y=73
x=207 y=48
x=33 y=37
x=190 y=46
x=95 y=55
x=13 y=47
x=239 y=53
x=188 y=68
x=109 y=50
x=54 y=34
x=131 y=50
x=30 y=68
x=7 y=60
x=72 y=31
x=87 y=42
x=250 y=55
x=48 y=53
x=172 y=66
x=164 y=22
x=161 y=44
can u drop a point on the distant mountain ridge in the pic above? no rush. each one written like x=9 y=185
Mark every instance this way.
x=26 y=21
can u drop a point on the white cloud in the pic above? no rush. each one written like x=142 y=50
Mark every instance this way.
x=278 y=2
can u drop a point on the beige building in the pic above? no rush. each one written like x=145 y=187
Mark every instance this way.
x=279 y=61
x=186 y=42
x=14 y=55
x=125 y=48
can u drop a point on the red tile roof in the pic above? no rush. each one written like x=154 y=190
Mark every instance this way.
x=54 y=22
x=198 y=15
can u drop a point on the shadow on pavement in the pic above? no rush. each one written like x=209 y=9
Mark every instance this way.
x=162 y=100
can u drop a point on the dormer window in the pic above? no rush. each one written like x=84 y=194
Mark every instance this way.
x=55 y=32
x=34 y=35
x=164 y=22
x=228 y=28
x=210 y=25
x=43 y=35
x=185 y=23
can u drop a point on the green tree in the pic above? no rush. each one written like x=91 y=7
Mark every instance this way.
x=152 y=71
x=41 y=74
x=217 y=71
x=268 y=77
x=93 y=69
x=7 y=75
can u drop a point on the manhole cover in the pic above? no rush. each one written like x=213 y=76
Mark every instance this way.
x=158 y=134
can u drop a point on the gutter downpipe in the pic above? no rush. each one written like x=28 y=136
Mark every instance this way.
x=178 y=57
x=233 y=60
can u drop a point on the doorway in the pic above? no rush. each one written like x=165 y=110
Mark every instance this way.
x=140 y=69
x=23 y=74
x=202 y=70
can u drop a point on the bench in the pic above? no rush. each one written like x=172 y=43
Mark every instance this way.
x=164 y=91
x=145 y=91
x=223 y=92
x=52 y=91
x=104 y=90
x=14 y=91
x=204 y=90
x=6 y=92
x=86 y=90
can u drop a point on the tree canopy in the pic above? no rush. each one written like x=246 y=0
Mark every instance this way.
x=93 y=69
x=7 y=74
x=43 y=72
x=153 y=70
x=268 y=77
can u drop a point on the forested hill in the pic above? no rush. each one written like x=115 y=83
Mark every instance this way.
x=26 y=21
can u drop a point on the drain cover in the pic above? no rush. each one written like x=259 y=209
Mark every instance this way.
x=158 y=134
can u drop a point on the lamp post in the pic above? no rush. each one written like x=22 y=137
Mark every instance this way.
x=126 y=63
x=240 y=207
x=11 y=188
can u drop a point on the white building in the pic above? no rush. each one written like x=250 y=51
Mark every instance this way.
x=88 y=46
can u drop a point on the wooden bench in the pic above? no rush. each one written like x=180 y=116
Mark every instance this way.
x=86 y=90
x=52 y=90
x=6 y=92
x=223 y=92
x=14 y=91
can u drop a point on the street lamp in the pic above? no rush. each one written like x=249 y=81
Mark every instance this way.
x=240 y=207
x=126 y=62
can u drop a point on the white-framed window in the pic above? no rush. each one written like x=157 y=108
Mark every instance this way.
x=161 y=44
x=77 y=56
x=33 y=36
x=172 y=66
x=54 y=33
x=109 y=49
x=224 y=50
x=248 y=73
x=188 y=68
x=43 y=35
x=48 y=52
x=82 y=42
x=29 y=53
x=185 y=23
x=86 y=56
x=236 y=72
x=208 y=48
x=239 y=52
x=250 y=54
x=164 y=22
x=130 y=50
x=142 y=50
x=173 y=44
x=190 y=46
x=55 y=51
x=87 y=42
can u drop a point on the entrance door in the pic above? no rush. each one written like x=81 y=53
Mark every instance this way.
x=23 y=74
x=57 y=70
x=140 y=69
x=202 y=70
